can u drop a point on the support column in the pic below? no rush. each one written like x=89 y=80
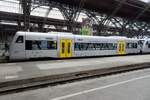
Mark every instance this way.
x=26 y=7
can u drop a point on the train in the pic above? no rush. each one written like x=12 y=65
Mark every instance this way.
x=28 y=45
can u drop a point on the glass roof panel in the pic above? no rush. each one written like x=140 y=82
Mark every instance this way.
x=145 y=0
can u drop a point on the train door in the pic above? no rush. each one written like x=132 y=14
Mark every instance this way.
x=121 y=48
x=69 y=48
x=65 y=48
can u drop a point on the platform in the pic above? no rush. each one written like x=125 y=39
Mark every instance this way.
x=32 y=69
x=125 y=86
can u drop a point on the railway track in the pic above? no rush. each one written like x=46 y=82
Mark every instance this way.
x=40 y=82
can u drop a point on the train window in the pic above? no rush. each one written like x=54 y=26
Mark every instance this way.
x=131 y=45
x=115 y=46
x=36 y=45
x=128 y=45
x=135 y=45
x=40 y=45
x=33 y=45
x=52 y=45
x=141 y=42
x=43 y=45
x=111 y=46
x=81 y=46
x=28 y=45
x=91 y=46
x=95 y=46
x=76 y=47
x=149 y=45
x=105 y=46
x=19 y=39
x=101 y=46
x=85 y=46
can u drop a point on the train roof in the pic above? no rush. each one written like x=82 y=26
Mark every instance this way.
x=62 y=33
x=69 y=34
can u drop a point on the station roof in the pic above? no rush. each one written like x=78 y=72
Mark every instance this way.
x=33 y=19
x=129 y=9
x=15 y=17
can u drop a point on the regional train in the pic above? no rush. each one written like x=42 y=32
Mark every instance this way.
x=27 y=45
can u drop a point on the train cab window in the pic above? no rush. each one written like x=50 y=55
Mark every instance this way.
x=19 y=39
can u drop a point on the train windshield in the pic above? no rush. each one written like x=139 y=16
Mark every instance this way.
x=141 y=42
x=19 y=39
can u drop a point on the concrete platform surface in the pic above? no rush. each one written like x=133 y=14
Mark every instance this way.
x=25 y=70
x=125 y=86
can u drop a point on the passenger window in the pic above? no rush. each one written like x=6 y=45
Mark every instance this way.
x=97 y=46
x=136 y=45
x=115 y=46
x=43 y=45
x=36 y=45
x=149 y=45
x=52 y=45
x=55 y=45
x=91 y=46
x=19 y=39
x=28 y=45
x=40 y=45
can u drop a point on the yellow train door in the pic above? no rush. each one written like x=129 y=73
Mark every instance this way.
x=121 y=48
x=65 y=48
x=69 y=48
x=62 y=48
